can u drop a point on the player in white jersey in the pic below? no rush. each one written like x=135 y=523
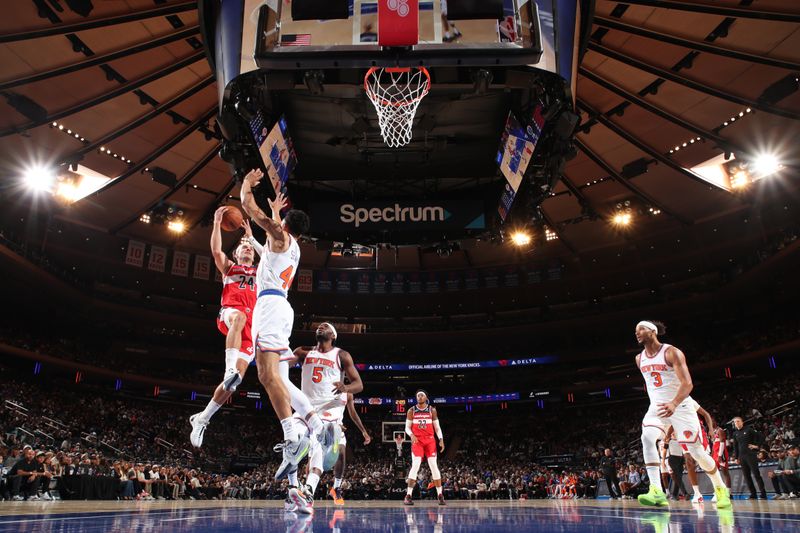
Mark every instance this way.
x=668 y=385
x=324 y=368
x=273 y=316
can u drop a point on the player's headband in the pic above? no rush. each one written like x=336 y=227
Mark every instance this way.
x=335 y=334
x=423 y=391
x=649 y=325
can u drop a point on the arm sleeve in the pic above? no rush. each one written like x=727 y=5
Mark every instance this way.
x=438 y=428
x=259 y=248
x=408 y=428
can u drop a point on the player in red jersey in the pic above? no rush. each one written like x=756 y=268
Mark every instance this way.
x=234 y=320
x=421 y=423
x=720 y=453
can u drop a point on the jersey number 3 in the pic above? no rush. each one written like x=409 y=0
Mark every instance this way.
x=287 y=277
x=316 y=374
x=656 y=379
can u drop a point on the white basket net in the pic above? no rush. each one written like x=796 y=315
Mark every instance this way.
x=396 y=94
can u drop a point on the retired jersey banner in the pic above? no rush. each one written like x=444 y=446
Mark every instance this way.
x=348 y=217
x=180 y=264
x=158 y=259
x=305 y=280
x=202 y=267
x=135 y=255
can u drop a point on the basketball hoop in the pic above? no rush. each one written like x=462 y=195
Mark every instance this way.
x=398 y=440
x=396 y=94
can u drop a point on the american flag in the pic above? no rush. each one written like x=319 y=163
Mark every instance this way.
x=300 y=39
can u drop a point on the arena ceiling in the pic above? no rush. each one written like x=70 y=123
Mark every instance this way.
x=125 y=87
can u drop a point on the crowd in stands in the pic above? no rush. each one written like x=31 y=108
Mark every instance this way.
x=142 y=445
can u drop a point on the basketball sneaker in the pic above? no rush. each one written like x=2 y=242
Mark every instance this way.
x=654 y=497
x=198 y=430
x=303 y=499
x=407 y=500
x=232 y=380
x=441 y=500
x=697 y=498
x=293 y=453
x=723 y=496
x=288 y=504
x=336 y=494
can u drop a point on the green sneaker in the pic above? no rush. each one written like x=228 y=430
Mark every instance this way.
x=659 y=521
x=655 y=497
x=723 y=496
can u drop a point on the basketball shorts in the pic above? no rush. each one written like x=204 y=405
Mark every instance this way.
x=424 y=448
x=683 y=420
x=224 y=323
x=722 y=462
x=675 y=448
x=273 y=319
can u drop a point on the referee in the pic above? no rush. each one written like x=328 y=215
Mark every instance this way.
x=746 y=443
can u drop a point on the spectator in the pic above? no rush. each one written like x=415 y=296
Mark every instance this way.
x=747 y=443
x=26 y=476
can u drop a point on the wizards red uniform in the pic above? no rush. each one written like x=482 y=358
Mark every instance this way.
x=422 y=429
x=239 y=293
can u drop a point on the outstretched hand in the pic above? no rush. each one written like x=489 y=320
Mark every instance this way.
x=248 y=231
x=218 y=214
x=278 y=203
x=254 y=177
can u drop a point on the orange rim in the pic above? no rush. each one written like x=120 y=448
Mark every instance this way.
x=385 y=103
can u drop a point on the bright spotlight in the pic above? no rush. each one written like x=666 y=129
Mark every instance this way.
x=39 y=178
x=176 y=226
x=520 y=238
x=68 y=192
x=622 y=219
x=766 y=164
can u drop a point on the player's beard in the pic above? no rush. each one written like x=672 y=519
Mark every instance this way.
x=322 y=337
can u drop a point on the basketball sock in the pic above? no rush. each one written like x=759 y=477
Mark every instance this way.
x=337 y=482
x=231 y=355
x=289 y=431
x=209 y=411
x=312 y=481
x=439 y=490
x=293 y=479
x=410 y=490
x=655 y=476
x=696 y=489
x=716 y=479
x=315 y=424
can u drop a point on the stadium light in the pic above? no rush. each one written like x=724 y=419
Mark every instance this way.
x=39 y=178
x=622 y=219
x=176 y=226
x=520 y=238
x=765 y=164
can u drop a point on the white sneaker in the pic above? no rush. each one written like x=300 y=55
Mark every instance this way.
x=232 y=380
x=198 y=430
x=302 y=499
x=697 y=498
x=17 y=498
x=46 y=497
x=33 y=498
x=288 y=505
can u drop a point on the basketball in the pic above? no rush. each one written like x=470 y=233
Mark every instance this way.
x=231 y=218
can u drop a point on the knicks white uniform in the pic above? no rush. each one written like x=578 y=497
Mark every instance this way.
x=319 y=373
x=662 y=386
x=273 y=316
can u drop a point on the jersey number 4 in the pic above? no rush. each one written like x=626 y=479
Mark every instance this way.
x=316 y=374
x=247 y=282
x=656 y=379
x=287 y=277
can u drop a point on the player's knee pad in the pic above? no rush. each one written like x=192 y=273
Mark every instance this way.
x=701 y=456
x=650 y=435
x=435 y=474
x=416 y=462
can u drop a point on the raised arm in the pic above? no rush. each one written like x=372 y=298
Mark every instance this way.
x=248 y=232
x=220 y=259
x=349 y=368
x=676 y=358
x=272 y=227
x=351 y=410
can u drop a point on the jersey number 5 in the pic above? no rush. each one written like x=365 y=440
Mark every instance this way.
x=287 y=277
x=316 y=374
x=656 y=379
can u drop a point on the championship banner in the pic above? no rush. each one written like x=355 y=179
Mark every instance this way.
x=398 y=283
x=202 y=267
x=414 y=284
x=135 y=255
x=363 y=283
x=511 y=278
x=324 y=283
x=349 y=217
x=343 y=282
x=305 y=280
x=380 y=283
x=453 y=282
x=471 y=280
x=180 y=264
x=158 y=259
